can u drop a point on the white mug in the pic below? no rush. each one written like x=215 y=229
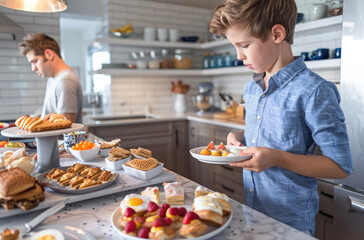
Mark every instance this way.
x=162 y=34
x=319 y=11
x=149 y=34
x=173 y=35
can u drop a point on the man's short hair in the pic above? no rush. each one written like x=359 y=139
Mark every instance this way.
x=255 y=16
x=38 y=42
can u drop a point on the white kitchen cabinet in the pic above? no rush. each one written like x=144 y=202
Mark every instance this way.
x=137 y=43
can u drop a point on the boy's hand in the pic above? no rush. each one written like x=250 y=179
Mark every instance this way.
x=262 y=158
x=235 y=138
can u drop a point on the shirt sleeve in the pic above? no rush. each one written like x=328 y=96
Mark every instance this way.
x=67 y=100
x=326 y=120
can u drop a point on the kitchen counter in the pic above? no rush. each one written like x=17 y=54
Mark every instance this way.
x=94 y=217
x=88 y=120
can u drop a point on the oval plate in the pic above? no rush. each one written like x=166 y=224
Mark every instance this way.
x=211 y=231
x=195 y=152
x=67 y=189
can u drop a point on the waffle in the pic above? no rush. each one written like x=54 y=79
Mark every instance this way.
x=142 y=152
x=143 y=164
x=113 y=143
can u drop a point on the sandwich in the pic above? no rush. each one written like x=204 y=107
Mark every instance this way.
x=66 y=178
x=18 y=188
x=76 y=182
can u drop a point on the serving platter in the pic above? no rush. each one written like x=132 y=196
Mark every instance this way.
x=211 y=231
x=67 y=189
x=195 y=152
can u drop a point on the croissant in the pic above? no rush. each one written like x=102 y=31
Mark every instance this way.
x=51 y=121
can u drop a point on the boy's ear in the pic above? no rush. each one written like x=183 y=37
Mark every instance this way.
x=278 y=33
x=49 y=54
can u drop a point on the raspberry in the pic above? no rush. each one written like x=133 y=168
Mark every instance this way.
x=189 y=217
x=166 y=206
x=129 y=212
x=152 y=206
x=130 y=226
x=182 y=211
x=143 y=232
x=159 y=222
x=162 y=212
x=173 y=211
x=140 y=219
x=168 y=221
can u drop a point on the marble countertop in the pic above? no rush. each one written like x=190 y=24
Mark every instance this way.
x=94 y=216
x=90 y=121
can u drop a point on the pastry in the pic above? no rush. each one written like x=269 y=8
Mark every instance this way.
x=143 y=164
x=94 y=173
x=84 y=172
x=152 y=193
x=36 y=124
x=173 y=214
x=118 y=153
x=76 y=182
x=49 y=175
x=142 y=152
x=113 y=143
x=106 y=176
x=66 y=178
x=223 y=201
x=162 y=233
x=209 y=210
x=76 y=168
x=89 y=183
x=192 y=226
x=8 y=234
x=174 y=193
x=201 y=191
x=57 y=174
x=15 y=181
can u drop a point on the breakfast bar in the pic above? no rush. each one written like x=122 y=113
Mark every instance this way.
x=91 y=218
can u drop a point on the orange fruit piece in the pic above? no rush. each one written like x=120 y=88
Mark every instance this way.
x=215 y=153
x=205 y=152
x=224 y=153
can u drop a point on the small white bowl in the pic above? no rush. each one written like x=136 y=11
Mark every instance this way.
x=85 y=155
x=104 y=152
x=144 y=175
x=116 y=165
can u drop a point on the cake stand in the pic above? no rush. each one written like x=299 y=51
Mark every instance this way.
x=47 y=144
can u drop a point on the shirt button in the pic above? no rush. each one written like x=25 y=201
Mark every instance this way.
x=250 y=190
x=253 y=141
x=258 y=117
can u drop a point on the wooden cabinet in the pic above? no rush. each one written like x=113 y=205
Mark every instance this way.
x=167 y=140
x=221 y=178
x=325 y=216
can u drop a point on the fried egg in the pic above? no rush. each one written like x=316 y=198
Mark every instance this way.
x=207 y=203
x=48 y=234
x=135 y=201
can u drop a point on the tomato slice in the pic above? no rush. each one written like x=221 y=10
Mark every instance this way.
x=221 y=146
x=211 y=146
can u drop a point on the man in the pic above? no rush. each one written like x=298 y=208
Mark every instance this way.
x=63 y=91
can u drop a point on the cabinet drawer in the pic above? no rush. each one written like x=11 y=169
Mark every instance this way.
x=232 y=173
x=225 y=185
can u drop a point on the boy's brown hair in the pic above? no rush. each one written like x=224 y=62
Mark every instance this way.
x=256 y=16
x=38 y=42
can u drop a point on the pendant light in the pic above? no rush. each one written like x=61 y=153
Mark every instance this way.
x=36 y=5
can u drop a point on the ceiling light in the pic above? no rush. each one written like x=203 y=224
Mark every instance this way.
x=35 y=5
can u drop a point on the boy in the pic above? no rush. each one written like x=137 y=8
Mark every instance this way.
x=64 y=91
x=289 y=109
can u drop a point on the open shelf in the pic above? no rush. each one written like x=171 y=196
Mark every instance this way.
x=301 y=27
x=318 y=64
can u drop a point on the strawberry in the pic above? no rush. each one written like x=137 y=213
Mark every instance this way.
x=152 y=206
x=211 y=146
x=130 y=226
x=221 y=146
x=143 y=232
x=189 y=217
x=129 y=212
x=182 y=211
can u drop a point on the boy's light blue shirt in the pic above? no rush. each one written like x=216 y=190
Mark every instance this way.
x=298 y=109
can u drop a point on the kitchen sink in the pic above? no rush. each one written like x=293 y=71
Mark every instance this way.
x=120 y=118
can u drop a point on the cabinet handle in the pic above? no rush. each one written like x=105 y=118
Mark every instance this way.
x=192 y=132
x=227 y=188
x=326 y=215
x=227 y=168
x=355 y=204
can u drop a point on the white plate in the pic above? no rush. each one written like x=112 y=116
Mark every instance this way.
x=137 y=156
x=69 y=232
x=67 y=189
x=195 y=152
x=211 y=231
